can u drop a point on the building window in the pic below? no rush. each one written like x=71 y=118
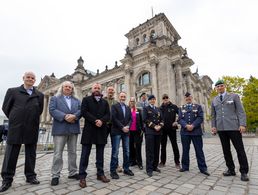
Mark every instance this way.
x=137 y=41
x=121 y=87
x=153 y=34
x=144 y=79
x=145 y=38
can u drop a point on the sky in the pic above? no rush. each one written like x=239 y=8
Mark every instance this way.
x=46 y=36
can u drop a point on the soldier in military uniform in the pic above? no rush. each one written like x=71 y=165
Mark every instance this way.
x=229 y=120
x=154 y=122
x=190 y=118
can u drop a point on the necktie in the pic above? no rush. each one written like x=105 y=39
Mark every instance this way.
x=221 y=97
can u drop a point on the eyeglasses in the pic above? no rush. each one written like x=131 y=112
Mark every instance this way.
x=164 y=98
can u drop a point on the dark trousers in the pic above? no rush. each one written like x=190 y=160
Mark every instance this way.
x=198 y=145
x=84 y=161
x=236 y=139
x=135 y=147
x=152 y=151
x=171 y=133
x=10 y=161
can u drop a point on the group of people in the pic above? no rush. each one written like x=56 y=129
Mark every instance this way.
x=104 y=117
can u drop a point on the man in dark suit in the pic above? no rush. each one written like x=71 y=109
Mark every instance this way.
x=121 y=121
x=23 y=106
x=95 y=111
x=65 y=108
x=153 y=120
x=229 y=120
x=190 y=118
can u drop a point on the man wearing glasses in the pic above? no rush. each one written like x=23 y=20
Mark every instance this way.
x=169 y=112
x=229 y=121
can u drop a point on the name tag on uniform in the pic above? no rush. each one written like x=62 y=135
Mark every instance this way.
x=230 y=102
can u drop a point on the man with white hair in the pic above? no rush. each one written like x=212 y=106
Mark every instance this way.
x=23 y=106
x=65 y=108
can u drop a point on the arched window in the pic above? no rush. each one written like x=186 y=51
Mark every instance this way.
x=144 y=79
x=137 y=41
x=145 y=39
x=153 y=34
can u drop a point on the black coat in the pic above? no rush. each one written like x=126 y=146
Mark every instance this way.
x=91 y=110
x=118 y=119
x=169 y=112
x=151 y=118
x=23 y=111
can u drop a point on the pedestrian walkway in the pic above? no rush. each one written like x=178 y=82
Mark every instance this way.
x=169 y=181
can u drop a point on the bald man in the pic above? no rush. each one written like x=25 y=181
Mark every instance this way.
x=23 y=106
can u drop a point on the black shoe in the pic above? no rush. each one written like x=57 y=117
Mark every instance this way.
x=244 y=177
x=205 y=173
x=5 y=186
x=133 y=164
x=114 y=175
x=229 y=173
x=33 y=181
x=183 y=170
x=55 y=181
x=129 y=172
x=161 y=164
x=149 y=173
x=157 y=170
x=75 y=176
x=140 y=167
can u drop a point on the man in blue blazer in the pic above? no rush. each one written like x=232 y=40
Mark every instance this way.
x=65 y=108
x=190 y=118
x=121 y=121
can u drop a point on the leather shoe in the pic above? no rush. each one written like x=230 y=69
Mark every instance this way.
x=183 y=170
x=82 y=183
x=75 y=176
x=55 y=181
x=244 y=177
x=33 y=181
x=140 y=167
x=205 y=173
x=103 y=178
x=229 y=173
x=129 y=172
x=149 y=173
x=5 y=186
x=157 y=170
x=114 y=175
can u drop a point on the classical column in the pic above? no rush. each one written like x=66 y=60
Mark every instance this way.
x=154 y=81
x=128 y=73
x=188 y=83
x=179 y=85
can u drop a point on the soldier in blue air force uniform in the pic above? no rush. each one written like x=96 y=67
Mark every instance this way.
x=190 y=118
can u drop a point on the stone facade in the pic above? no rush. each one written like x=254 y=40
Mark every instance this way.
x=153 y=63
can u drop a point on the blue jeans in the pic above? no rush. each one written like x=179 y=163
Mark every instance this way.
x=115 y=150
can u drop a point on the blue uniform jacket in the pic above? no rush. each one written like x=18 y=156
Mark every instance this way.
x=58 y=108
x=193 y=116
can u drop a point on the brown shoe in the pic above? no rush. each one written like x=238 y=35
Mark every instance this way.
x=82 y=183
x=103 y=178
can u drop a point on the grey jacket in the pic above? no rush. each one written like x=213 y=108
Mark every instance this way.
x=229 y=114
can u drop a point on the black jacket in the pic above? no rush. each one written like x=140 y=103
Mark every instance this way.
x=23 y=111
x=151 y=118
x=169 y=112
x=91 y=110
x=118 y=119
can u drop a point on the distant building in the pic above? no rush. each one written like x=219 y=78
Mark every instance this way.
x=154 y=63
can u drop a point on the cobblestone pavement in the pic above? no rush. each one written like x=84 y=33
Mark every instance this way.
x=169 y=181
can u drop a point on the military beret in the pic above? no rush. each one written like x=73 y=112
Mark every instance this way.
x=151 y=97
x=187 y=94
x=143 y=94
x=219 y=82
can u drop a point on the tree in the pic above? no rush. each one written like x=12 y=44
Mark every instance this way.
x=250 y=102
